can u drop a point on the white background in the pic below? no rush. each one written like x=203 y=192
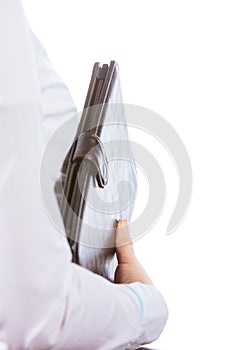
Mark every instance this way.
x=176 y=58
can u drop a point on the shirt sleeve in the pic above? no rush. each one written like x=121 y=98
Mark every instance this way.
x=45 y=300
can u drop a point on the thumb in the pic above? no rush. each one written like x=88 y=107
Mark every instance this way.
x=124 y=245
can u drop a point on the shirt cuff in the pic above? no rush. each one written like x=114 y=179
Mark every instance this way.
x=154 y=313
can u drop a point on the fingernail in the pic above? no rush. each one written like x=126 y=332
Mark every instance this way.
x=122 y=222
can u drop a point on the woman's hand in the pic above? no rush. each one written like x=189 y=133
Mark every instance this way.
x=129 y=269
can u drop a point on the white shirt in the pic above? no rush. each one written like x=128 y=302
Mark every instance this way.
x=47 y=302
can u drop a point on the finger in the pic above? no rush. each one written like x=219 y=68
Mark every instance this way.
x=124 y=246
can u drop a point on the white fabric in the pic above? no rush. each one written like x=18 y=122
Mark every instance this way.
x=46 y=302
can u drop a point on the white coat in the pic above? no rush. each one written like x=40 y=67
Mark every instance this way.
x=47 y=302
